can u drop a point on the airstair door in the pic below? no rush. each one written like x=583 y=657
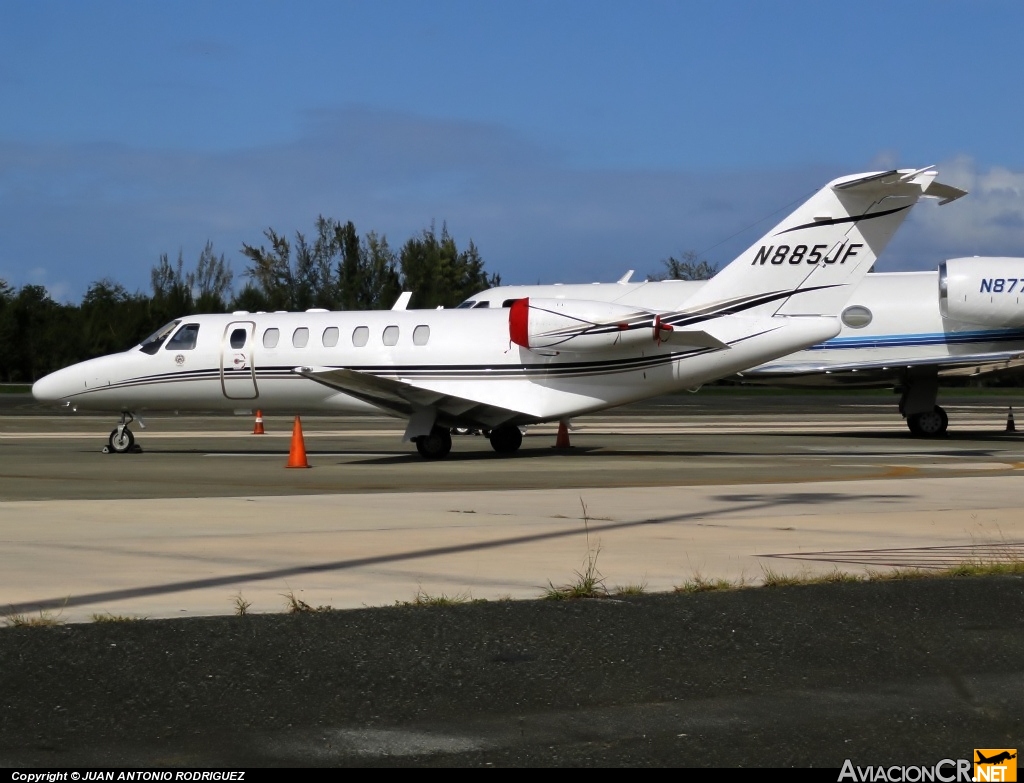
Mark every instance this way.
x=237 y=370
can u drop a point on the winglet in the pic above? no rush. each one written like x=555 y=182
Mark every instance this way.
x=403 y=301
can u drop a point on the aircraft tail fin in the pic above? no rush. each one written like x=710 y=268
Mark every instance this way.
x=809 y=263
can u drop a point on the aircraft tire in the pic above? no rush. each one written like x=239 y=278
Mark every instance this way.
x=506 y=439
x=929 y=424
x=121 y=443
x=436 y=445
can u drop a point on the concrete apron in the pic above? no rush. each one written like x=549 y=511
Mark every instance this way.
x=183 y=557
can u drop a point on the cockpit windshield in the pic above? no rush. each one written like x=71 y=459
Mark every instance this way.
x=152 y=343
x=467 y=303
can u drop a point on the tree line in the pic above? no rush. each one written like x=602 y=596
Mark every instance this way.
x=333 y=268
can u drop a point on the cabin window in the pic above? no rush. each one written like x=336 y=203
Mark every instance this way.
x=390 y=336
x=184 y=339
x=237 y=338
x=270 y=338
x=360 y=335
x=330 y=337
x=856 y=317
x=152 y=343
x=300 y=337
x=421 y=335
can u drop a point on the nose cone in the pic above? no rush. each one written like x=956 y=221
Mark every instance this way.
x=58 y=386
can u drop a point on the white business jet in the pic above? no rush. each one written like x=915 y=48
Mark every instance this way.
x=538 y=360
x=903 y=330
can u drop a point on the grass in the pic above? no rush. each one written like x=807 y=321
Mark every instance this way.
x=637 y=588
x=241 y=605
x=107 y=617
x=700 y=584
x=426 y=599
x=45 y=619
x=1008 y=568
x=296 y=605
x=589 y=582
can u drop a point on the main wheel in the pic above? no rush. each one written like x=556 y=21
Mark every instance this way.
x=930 y=423
x=436 y=445
x=506 y=439
x=121 y=442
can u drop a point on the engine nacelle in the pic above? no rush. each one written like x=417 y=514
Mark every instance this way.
x=985 y=291
x=575 y=325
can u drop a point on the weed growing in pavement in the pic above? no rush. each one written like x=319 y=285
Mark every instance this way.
x=426 y=599
x=45 y=619
x=107 y=617
x=638 y=588
x=589 y=582
x=241 y=605
x=296 y=605
x=700 y=584
x=773 y=578
x=988 y=569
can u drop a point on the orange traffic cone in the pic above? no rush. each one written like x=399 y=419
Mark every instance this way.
x=1009 y=421
x=258 y=429
x=562 y=440
x=297 y=453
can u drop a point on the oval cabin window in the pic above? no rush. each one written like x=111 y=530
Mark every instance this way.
x=270 y=338
x=421 y=335
x=856 y=317
x=360 y=335
x=300 y=337
x=330 y=338
x=390 y=336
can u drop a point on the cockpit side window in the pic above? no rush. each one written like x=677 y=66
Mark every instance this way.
x=184 y=339
x=152 y=343
x=484 y=303
x=467 y=303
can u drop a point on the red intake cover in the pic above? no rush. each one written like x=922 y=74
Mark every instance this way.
x=519 y=322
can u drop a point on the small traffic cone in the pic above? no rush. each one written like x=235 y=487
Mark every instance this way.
x=1009 y=421
x=562 y=439
x=297 y=453
x=258 y=429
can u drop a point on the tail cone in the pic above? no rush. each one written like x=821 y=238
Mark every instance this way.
x=258 y=429
x=562 y=440
x=297 y=453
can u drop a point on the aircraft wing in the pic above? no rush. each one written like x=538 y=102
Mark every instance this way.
x=881 y=372
x=407 y=400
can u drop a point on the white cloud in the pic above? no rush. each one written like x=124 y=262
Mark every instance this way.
x=91 y=211
x=988 y=221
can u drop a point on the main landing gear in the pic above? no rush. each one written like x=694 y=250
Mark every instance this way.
x=505 y=439
x=121 y=440
x=925 y=419
x=928 y=424
x=436 y=445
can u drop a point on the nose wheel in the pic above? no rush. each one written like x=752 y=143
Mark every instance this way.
x=122 y=440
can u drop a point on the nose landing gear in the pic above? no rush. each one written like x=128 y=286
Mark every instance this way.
x=121 y=440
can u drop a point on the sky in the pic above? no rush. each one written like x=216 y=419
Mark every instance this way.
x=570 y=140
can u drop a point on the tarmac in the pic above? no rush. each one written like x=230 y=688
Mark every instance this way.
x=207 y=515
x=419 y=640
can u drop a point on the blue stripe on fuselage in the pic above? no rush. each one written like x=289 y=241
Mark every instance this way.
x=934 y=338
